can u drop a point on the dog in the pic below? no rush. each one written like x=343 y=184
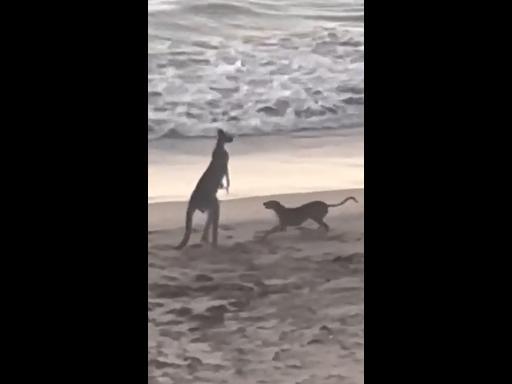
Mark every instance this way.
x=293 y=217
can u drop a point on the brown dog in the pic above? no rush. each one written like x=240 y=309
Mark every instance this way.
x=293 y=217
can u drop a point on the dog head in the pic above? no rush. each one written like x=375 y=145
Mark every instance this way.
x=272 y=204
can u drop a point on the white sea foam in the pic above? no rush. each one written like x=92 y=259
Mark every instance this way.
x=254 y=67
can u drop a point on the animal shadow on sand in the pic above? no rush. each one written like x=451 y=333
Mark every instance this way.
x=300 y=234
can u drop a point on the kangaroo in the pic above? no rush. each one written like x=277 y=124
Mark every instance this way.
x=204 y=196
x=293 y=217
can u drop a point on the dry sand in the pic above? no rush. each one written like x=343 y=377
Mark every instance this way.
x=285 y=310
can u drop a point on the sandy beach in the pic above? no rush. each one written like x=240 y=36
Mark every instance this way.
x=288 y=309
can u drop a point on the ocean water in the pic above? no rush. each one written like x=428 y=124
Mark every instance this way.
x=254 y=67
x=287 y=68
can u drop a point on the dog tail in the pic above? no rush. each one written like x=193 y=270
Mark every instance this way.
x=188 y=228
x=343 y=202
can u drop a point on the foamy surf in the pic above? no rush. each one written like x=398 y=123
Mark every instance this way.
x=254 y=68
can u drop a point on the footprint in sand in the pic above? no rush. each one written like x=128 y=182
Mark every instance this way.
x=273 y=251
x=249 y=278
x=353 y=257
x=238 y=305
x=339 y=238
x=202 y=278
x=217 y=309
x=168 y=323
x=312 y=234
x=181 y=312
x=168 y=333
x=241 y=248
x=199 y=339
x=157 y=232
x=170 y=278
x=340 y=259
x=168 y=291
x=225 y=227
x=259 y=236
x=152 y=306
x=162 y=247
x=159 y=364
x=208 y=320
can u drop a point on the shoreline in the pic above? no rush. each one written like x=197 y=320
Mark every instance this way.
x=171 y=214
x=305 y=133
x=284 y=194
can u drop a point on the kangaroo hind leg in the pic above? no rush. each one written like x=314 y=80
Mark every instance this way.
x=215 y=216
x=206 y=231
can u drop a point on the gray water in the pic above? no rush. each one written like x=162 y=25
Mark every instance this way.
x=254 y=67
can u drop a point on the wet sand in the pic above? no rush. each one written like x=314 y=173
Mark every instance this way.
x=267 y=165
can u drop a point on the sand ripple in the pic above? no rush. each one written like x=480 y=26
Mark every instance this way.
x=281 y=311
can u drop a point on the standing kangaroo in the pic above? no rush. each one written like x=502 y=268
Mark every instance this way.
x=204 y=196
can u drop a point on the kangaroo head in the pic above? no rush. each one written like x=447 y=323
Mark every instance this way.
x=224 y=137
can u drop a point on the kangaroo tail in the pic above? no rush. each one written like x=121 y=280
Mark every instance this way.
x=188 y=228
x=343 y=202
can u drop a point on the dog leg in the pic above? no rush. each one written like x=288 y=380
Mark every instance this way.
x=322 y=224
x=277 y=228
